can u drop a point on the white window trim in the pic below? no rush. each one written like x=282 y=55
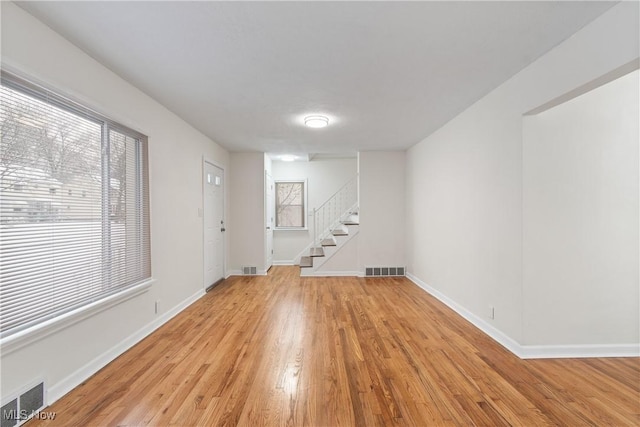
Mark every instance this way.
x=305 y=188
x=41 y=330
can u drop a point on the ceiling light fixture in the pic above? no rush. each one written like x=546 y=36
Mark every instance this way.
x=316 y=121
x=287 y=158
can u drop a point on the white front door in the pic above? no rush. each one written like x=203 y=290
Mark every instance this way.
x=269 y=219
x=213 y=224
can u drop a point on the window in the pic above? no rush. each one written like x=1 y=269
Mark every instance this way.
x=54 y=260
x=291 y=204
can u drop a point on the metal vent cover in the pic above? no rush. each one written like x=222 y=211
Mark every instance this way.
x=23 y=406
x=249 y=271
x=383 y=271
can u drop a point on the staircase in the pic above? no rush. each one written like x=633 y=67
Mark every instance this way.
x=329 y=245
x=335 y=223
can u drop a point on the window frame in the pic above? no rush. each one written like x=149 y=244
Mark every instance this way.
x=305 y=207
x=17 y=337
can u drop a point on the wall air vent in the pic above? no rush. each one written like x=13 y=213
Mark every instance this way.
x=249 y=271
x=383 y=271
x=23 y=407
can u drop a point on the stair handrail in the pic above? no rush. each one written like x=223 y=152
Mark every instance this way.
x=336 y=213
x=353 y=179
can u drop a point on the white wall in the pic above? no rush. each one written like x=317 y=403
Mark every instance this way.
x=581 y=219
x=381 y=241
x=245 y=229
x=176 y=151
x=324 y=177
x=464 y=182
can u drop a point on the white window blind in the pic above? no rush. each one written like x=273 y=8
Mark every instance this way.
x=290 y=204
x=74 y=210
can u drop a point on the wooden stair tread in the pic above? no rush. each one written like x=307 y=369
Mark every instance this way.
x=340 y=231
x=329 y=241
x=306 y=262
x=314 y=252
x=351 y=219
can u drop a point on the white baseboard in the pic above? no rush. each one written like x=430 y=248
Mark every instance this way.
x=499 y=336
x=239 y=273
x=285 y=262
x=579 y=351
x=56 y=391
x=233 y=273
x=330 y=273
x=531 y=351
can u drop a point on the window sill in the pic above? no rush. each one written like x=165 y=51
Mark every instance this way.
x=37 y=332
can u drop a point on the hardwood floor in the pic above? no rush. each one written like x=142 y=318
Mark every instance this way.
x=285 y=350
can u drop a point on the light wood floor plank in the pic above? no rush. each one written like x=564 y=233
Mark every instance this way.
x=282 y=350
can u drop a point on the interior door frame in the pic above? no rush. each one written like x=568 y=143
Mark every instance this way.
x=266 y=218
x=224 y=216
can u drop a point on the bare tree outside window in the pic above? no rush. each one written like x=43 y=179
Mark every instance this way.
x=45 y=153
x=290 y=208
x=60 y=144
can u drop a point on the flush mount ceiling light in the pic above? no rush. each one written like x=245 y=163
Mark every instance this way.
x=287 y=158
x=316 y=121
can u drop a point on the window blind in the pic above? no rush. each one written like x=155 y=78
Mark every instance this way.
x=74 y=206
x=290 y=204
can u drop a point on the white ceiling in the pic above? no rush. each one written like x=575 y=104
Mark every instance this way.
x=387 y=74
